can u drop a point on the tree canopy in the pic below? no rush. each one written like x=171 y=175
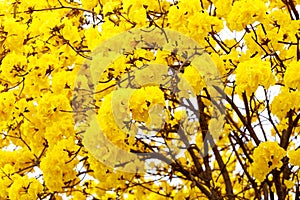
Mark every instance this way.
x=128 y=99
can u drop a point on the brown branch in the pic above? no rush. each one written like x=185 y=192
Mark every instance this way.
x=265 y=191
x=289 y=43
x=241 y=117
x=220 y=43
x=286 y=134
x=248 y=117
x=206 y=135
x=292 y=9
x=204 y=129
x=280 y=188
x=261 y=127
x=245 y=170
x=269 y=114
x=225 y=174
x=59 y=8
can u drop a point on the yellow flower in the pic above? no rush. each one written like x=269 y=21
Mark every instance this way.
x=294 y=156
x=292 y=75
x=57 y=163
x=245 y=12
x=89 y=4
x=24 y=188
x=286 y=100
x=252 y=73
x=267 y=156
x=143 y=99
x=7 y=100
x=194 y=79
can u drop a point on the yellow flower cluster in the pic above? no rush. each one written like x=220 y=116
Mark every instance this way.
x=188 y=18
x=294 y=156
x=113 y=116
x=43 y=45
x=267 y=156
x=6 y=105
x=142 y=99
x=292 y=75
x=245 y=12
x=253 y=73
x=58 y=163
x=25 y=188
x=191 y=79
x=284 y=102
x=15 y=185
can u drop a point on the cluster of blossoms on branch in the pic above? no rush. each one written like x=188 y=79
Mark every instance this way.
x=254 y=154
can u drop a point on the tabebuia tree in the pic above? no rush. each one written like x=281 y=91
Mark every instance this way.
x=127 y=99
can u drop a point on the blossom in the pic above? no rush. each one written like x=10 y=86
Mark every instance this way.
x=267 y=156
